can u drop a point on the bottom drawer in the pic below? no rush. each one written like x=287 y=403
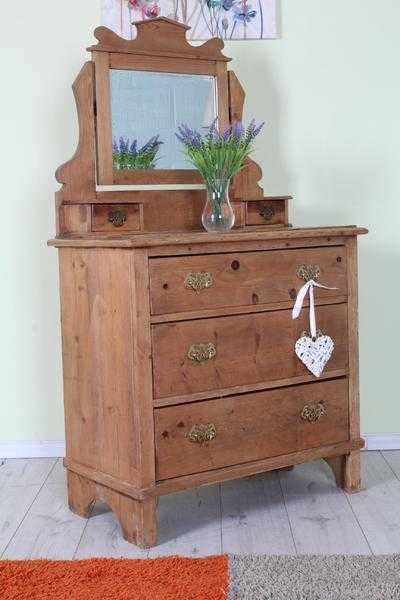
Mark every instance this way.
x=202 y=436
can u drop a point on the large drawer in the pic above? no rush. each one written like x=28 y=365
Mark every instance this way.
x=238 y=279
x=191 y=438
x=245 y=350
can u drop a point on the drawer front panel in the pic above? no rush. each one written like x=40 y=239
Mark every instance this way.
x=266 y=212
x=215 y=433
x=115 y=217
x=222 y=280
x=212 y=354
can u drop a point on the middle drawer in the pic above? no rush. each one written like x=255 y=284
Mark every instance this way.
x=224 y=352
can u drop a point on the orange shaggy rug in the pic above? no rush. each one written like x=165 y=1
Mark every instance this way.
x=171 y=578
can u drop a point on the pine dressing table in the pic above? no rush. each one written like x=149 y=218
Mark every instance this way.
x=178 y=345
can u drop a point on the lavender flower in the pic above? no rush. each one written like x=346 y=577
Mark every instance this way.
x=218 y=156
x=128 y=156
x=133 y=148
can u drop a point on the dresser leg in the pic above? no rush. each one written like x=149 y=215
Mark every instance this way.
x=352 y=472
x=347 y=471
x=81 y=494
x=137 y=518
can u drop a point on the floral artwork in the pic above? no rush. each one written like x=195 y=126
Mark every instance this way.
x=227 y=19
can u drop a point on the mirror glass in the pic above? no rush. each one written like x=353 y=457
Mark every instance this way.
x=146 y=109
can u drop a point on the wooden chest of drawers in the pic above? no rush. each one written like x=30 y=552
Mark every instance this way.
x=179 y=363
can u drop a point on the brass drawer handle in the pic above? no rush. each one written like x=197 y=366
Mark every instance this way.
x=202 y=352
x=308 y=272
x=313 y=412
x=267 y=211
x=117 y=217
x=202 y=433
x=198 y=281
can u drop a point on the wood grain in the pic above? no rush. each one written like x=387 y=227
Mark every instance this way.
x=98 y=389
x=103 y=118
x=249 y=349
x=169 y=486
x=102 y=218
x=159 y=37
x=352 y=466
x=249 y=427
x=208 y=239
x=243 y=279
x=267 y=212
x=78 y=175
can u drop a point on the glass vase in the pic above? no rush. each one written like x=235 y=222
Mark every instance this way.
x=218 y=215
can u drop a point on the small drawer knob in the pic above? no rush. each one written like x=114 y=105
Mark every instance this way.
x=266 y=211
x=117 y=217
x=198 y=281
x=313 y=412
x=199 y=434
x=202 y=352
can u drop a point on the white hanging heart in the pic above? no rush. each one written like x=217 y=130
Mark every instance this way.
x=314 y=353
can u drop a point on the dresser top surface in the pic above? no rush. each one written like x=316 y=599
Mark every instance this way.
x=147 y=240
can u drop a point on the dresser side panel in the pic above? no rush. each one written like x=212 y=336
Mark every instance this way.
x=96 y=315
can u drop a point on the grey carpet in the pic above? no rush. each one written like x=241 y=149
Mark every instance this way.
x=314 y=578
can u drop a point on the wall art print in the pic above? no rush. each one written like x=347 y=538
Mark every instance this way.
x=228 y=19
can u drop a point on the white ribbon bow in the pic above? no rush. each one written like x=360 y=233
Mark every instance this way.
x=308 y=287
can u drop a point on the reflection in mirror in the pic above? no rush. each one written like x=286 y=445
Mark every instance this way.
x=146 y=109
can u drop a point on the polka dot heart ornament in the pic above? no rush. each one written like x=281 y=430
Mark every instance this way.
x=313 y=350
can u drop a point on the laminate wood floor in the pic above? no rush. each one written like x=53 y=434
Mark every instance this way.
x=294 y=512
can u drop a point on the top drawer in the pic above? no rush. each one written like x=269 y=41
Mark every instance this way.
x=188 y=283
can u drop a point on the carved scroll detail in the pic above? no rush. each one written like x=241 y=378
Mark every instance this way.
x=159 y=36
x=78 y=175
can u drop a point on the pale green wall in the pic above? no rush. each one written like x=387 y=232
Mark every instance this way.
x=330 y=91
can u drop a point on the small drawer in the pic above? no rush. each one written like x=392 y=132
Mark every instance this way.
x=266 y=212
x=115 y=217
x=192 y=438
x=186 y=283
x=207 y=355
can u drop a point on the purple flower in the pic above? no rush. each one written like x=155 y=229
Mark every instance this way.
x=213 y=133
x=133 y=148
x=244 y=13
x=115 y=146
x=237 y=130
x=227 y=132
x=123 y=145
x=188 y=136
x=253 y=130
x=227 y=4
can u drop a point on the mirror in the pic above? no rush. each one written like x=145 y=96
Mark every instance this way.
x=146 y=109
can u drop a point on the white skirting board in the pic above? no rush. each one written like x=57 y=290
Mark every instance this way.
x=32 y=449
x=373 y=441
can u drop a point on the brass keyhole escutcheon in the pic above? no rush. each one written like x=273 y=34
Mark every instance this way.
x=198 y=281
x=117 y=217
x=308 y=272
x=202 y=352
x=199 y=434
x=313 y=412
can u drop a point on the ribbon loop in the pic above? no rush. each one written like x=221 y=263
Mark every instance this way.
x=298 y=305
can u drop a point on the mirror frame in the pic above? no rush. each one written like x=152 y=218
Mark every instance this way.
x=160 y=46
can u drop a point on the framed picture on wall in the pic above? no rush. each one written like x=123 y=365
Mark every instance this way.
x=228 y=19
